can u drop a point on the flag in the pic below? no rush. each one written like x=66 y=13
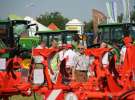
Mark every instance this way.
x=112 y=11
x=126 y=10
x=109 y=11
x=115 y=11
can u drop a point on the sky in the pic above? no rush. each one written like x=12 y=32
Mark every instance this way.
x=81 y=9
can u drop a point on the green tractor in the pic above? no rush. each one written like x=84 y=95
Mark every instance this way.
x=61 y=36
x=14 y=34
x=114 y=33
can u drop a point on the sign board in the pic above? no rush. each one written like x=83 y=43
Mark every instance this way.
x=73 y=28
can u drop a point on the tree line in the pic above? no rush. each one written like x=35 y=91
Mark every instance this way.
x=58 y=19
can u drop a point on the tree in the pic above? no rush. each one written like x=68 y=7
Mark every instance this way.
x=53 y=17
x=88 y=26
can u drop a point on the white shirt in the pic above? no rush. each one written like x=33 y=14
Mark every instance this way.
x=81 y=62
x=105 y=60
x=61 y=54
x=39 y=47
x=123 y=52
x=69 y=56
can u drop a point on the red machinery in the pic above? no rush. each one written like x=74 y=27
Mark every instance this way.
x=104 y=85
x=11 y=81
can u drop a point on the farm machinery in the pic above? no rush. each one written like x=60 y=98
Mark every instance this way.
x=13 y=61
x=17 y=77
x=116 y=83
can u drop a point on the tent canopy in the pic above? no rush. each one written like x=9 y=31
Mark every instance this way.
x=15 y=17
x=40 y=26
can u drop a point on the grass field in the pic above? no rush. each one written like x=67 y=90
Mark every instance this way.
x=19 y=97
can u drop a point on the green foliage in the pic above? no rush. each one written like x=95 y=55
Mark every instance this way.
x=88 y=26
x=53 y=17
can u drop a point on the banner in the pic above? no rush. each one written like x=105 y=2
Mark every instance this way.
x=109 y=10
x=126 y=10
x=115 y=11
x=112 y=11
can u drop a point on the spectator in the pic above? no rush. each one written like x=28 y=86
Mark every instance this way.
x=127 y=41
x=42 y=45
x=39 y=58
x=62 y=52
x=105 y=60
x=54 y=44
x=81 y=62
x=103 y=45
x=62 y=62
x=69 y=55
x=75 y=42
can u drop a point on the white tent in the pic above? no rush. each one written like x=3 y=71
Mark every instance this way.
x=74 y=22
x=33 y=28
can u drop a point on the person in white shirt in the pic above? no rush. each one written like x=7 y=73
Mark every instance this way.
x=69 y=56
x=82 y=63
x=122 y=54
x=127 y=41
x=62 y=52
x=105 y=59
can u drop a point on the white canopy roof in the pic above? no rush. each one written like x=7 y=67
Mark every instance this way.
x=40 y=26
x=75 y=22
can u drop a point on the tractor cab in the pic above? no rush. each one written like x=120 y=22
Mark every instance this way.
x=113 y=33
x=13 y=34
x=13 y=67
x=10 y=30
x=61 y=36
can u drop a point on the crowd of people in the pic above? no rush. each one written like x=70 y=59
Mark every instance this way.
x=75 y=62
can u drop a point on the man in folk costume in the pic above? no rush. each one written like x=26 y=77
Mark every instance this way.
x=129 y=56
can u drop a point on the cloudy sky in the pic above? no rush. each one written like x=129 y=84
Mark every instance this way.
x=81 y=9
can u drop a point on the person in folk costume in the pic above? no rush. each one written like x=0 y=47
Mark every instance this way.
x=127 y=42
x=128 y=63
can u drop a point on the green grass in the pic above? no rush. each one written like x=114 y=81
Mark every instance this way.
x=19 y=97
